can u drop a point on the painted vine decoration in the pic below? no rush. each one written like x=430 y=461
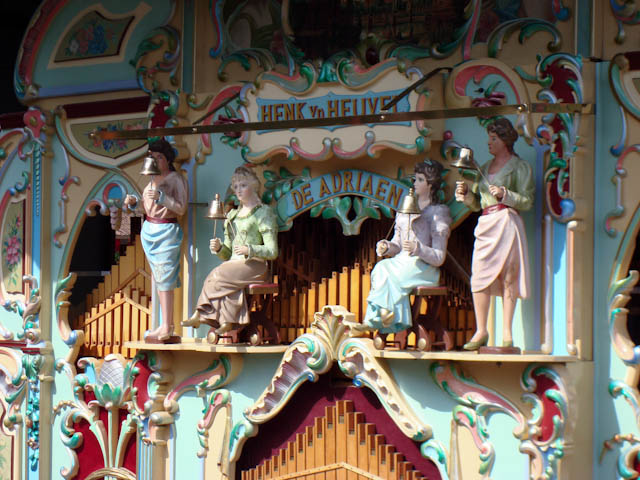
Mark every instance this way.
x=560 y=75
x=281 y=182
x=313 y=354
x=29 y=312
x=272 y=43
x=33 y=365
x=618 y=295
x=206 y=384
x=626 y=12
x=168 y=37
x=25 y=384
x=544 y=391
x=349 y=211
x=547 y=395
x=113 y=386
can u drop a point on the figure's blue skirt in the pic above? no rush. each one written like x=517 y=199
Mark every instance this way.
x=392 y=281
x=161 y=243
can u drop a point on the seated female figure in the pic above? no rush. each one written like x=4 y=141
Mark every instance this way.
x=250 y=239
x=417 y=249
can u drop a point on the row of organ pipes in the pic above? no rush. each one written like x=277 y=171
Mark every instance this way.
x=317 y=266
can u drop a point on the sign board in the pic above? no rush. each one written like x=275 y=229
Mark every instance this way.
x=277 y=98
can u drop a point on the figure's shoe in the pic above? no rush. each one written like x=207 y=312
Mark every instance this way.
x=507 y=343
x=164 y=336
x=150 y=336
x=193 y=321
x=386 y=317
x=358 y=327
x=475 y=345
x=224 y=328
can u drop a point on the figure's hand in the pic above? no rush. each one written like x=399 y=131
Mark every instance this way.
x=241 y=250
x=130 y=200
x=382 y=247
x=409 y=246
x=461 y=191
x=215 y=245
x=497 y=192
x=152 y=194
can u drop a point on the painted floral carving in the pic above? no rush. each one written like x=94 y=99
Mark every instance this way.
x=91 y=39
x=372 y=31
x=93 y=36
x=12 y=250
x=115 y=145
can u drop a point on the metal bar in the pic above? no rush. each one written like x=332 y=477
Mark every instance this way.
x=414 y=85
x=579 y=108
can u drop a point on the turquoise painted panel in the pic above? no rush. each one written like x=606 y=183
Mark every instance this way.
x=583 y=15
x=433 y=406
x=257 y=372
x=68 y=78
x=510 y=463
x=559 y=288
x=214 y=176
x=184 y=443
x=188 y=45
x=57 y=209
x=610 y=416
x=13 y=175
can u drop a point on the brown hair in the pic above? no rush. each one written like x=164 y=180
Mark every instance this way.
x=432 y=171
x=504 y=130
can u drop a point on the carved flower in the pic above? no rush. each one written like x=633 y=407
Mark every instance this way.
x=110 y=384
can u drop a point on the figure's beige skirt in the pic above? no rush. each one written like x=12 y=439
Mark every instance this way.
x=222 y=299
x=500 y=255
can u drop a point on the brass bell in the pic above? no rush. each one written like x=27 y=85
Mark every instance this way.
x=409 y=204
x=150 y=166
x=216 y=210
x=465 y=160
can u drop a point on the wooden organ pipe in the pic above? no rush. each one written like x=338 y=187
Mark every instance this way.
x=338 y=446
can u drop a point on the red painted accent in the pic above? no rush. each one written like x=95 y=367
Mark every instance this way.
x=90 y=455
x=20 y=345
x=140 y=382
x=478 y=72
x=543 y=384
x=159 y=118
x=89 y=396
x=563 y=92
x=308 y=403
x=107 y=107
x=9 y=121
x=634 y=60
x=33 y=38
x=221 y=97
x=131 y=450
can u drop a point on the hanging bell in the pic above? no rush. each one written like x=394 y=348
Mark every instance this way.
x=464 y=160
x=409 y=204
x=216 y=210
x=150 y=166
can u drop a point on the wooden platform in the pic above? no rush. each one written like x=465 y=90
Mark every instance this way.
x=201 y=345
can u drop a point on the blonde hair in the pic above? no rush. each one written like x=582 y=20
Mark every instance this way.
x=248 y=174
